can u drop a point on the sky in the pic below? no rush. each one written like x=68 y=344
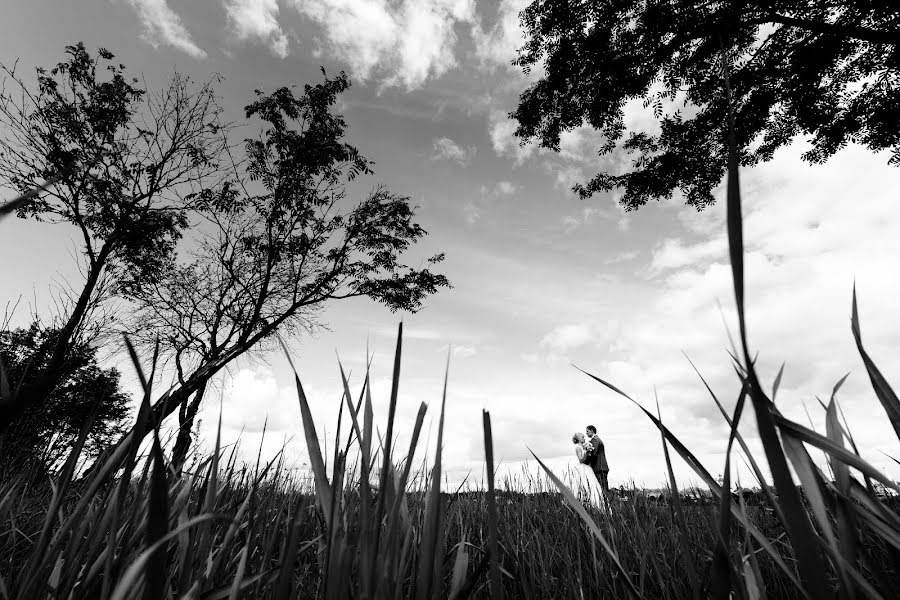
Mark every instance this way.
x=542 y=281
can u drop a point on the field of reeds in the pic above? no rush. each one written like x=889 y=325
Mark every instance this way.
x=130 y=527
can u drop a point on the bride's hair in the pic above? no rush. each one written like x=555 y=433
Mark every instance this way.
x=578 y=438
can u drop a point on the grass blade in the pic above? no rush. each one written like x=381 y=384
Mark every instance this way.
x=800 y=530
x=129 y=579
x=777 y=383
x=722 y=580
x=757 y=472
x=364 y=451
x=7 y=208
x=386 y=450
x=430 y=559
x=800 y=432
x=883 y=390
x=157 y=523
x=44 y=547
x=753 y=579
x=811 y=480
x=460 y=566
x=404 y=476
x=211 y=495
x=284 y=584
x=679 y=518
x=493 y=548
x=721 y=583
x=323 y=488
x=238 y=576
x=844 y=514
x=5 y=392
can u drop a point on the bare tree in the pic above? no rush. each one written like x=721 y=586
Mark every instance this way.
x=125 y=168
x=270 y=260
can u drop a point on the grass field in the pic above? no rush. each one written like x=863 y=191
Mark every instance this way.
x=222 y=530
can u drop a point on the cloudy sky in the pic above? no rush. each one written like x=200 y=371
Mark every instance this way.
x=541 y=279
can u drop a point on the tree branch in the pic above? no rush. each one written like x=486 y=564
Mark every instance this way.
x=865 y=34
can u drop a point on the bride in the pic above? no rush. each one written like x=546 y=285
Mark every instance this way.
x=586 y=485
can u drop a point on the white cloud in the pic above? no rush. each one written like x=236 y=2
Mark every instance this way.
x=565 y=175
x=576 y=159
x=261 y=415
x=446 y=149
x=413 y=333
x=406 y=42
x=674 y=254
x=506 y=187
x=559 y=342
x=531 y=357
x=503 y=139
x=461 y=351
x=471 y=212
x=580 y=144
x=258 y=19
x=622 y=257
x=589 y=214
x=572 y=222
x=361 y=32
x=163 y=26
x=428 y=40
x=497 y=46
x=488 y=196
x=252 y=398
x=566 y=337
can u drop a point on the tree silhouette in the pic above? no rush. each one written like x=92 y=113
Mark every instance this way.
x=123 y=165
x=46 y=429
x=278 y=244
x=823 y=69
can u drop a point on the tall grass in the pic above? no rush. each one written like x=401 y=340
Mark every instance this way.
x=373 y=528
x=133 y=529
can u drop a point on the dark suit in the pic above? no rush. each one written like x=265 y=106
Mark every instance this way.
x=597 y=461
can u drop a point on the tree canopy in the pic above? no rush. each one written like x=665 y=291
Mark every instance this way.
x=280 y=240
x=824 y=69
x=122 y=163
x=47 y=428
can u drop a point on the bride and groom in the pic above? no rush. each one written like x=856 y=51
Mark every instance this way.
x=591 y=452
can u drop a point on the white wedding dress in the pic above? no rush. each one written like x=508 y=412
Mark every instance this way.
x=586 y=487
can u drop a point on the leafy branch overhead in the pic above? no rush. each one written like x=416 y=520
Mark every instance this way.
x=829 y=71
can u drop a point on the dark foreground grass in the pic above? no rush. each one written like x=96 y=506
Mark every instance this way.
x=546 y=551
x=258 y=531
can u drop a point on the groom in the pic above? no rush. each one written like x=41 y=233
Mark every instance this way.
x=597 y=459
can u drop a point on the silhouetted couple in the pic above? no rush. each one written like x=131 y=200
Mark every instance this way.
x=592 y=453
